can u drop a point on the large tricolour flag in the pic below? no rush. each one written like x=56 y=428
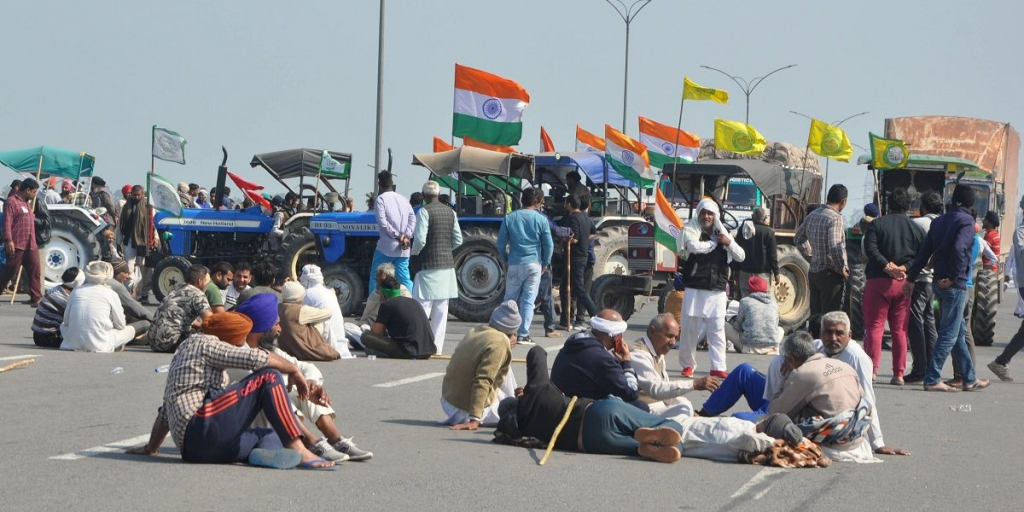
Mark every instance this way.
x=488 y=108
x=468 y=141
x=587 y=142
x=666 y=222
x=662 y=148
x=627 y=157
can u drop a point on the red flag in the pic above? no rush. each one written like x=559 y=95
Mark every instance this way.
x=242 y=184
x=440 y=145
x=546 y=146
x=258 y=199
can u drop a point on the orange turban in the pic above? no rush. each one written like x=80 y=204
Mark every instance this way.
x=229 y=326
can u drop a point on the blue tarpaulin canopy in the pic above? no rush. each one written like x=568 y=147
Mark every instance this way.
x=55 y=161
x=593 y=164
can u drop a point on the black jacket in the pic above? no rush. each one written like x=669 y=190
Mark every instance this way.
x=584 y=368
x=707 y=271
x=762 y=256
x=891 y=238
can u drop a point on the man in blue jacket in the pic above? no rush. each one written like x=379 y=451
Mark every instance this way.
x=525 y=244
x=948 y=245
x=596 y=363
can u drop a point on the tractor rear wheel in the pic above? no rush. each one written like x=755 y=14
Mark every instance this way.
x=298 y=249
x=348 y=286
x=70 y=245
x=168 y=275
x=480 y=274
x=607 y=294
x=983 y=321
x=793 y=291
x=855 y=289
x=610 y=251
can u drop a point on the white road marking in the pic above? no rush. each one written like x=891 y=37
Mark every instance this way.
x=755 y=480
x=409 y=380
x=116 y=446
x=555 y=348
x=26 y=356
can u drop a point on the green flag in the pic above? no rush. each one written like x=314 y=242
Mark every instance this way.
x=333 y=168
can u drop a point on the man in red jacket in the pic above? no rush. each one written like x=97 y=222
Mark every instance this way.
x=19 y=238
x=991 y=227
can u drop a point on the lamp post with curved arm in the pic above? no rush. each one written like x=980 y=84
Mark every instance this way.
x=748 y=86
x=836 y=124
x=628 y=15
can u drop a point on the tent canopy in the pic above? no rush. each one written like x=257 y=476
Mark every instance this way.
x=476 y=161
x=593 y=164
x=295 y=163
x=772 y=178
x=55 y=161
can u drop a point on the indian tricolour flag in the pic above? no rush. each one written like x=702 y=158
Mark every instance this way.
x=662 y=148
x=488 y=108
x=666 y=222
x=627 y=157
x=587 y=142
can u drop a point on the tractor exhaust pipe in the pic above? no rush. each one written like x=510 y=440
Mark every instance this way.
x=222 y=175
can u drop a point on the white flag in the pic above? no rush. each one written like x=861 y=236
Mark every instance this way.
x=168 y=145
x=331 y=167
x=163 y=195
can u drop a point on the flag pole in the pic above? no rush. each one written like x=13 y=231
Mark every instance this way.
x=675 y=150
x=17 y=281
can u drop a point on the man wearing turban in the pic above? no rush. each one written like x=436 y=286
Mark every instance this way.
x=94 y=320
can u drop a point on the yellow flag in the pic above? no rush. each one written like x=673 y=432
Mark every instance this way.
x=829 y=141
x=888 y=153
x=692 y=91
x=738 y=137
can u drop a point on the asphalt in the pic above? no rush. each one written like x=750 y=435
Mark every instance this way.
x=65 y=404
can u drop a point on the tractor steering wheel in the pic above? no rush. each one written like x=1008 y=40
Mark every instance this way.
x=730 y=221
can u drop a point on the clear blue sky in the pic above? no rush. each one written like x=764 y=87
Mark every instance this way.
x=259 y=76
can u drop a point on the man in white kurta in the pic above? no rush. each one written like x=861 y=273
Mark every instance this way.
x=94 y=319
x=708 y=248
x=318 y=296
x=436 y=237
x=663 y=396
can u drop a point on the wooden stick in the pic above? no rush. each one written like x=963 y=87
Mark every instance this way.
x=17 y=365
x=558 y=430
x=568 y=284
x=446 y=357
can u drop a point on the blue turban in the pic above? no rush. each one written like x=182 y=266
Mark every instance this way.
x=262 y=310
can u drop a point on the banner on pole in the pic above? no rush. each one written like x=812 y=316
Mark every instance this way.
x=163 y=195
x=168 y=145
x=333 y=168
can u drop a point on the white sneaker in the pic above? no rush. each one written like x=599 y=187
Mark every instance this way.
x=346 y=446
x=324 y=449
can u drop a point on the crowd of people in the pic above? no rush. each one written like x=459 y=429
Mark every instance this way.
x=242 y=380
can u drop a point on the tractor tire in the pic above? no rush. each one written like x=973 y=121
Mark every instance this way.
x=480 y=274
x=610 y=251
x=793 y=291
x=168 y=274
x=348 y=286
x=70 y=245
x=983 y=321
x=298 y=248
x=607 y=295
x=854 y=299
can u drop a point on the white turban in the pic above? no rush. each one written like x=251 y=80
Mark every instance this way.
x=692 y=229
x=99 y=272
x=292 y=293
x=311 y=276
x=78 y=281
x=609 y=327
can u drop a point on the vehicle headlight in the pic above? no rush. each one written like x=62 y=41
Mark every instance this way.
x=326 y=241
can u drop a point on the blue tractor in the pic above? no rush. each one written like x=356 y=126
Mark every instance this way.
x=208 y=236
x=486 y=185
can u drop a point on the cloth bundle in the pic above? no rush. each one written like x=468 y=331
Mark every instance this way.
x=784 y=455
x=840 y=429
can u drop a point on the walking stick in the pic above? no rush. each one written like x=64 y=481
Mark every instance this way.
x=568 y=284
x=558 y=430
x=19 y=364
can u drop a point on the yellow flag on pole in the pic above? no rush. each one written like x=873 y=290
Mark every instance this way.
x=738 y=137
x=829 y=141
x=888 y=153
x=692 y=91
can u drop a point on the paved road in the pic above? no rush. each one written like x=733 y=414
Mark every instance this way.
x=63 y=416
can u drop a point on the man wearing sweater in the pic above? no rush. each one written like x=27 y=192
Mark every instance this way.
x=478 y=378
x=525 y=244
x=758 y=243
x=890 y=242
x=596 y=363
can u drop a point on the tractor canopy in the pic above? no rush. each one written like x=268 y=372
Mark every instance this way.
x=467 y=159
x=771 y=178
x=295 y=163
x=553 y=167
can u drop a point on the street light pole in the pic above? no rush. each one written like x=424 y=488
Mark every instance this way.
x=836 y=124
x=748 y=86
x=380 y=98
x=628 y=15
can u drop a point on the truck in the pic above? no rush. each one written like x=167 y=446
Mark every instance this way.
x=946 y=151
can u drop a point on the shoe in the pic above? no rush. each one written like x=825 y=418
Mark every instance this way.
x=896 y=381
x=579 y=326
x=977 y=385
x=688 y=371
x=324 y=449
x=552 y=334
x=660 y=444
x=718 y=373
x=1001 y=370
x=346 y=446
x=525 y=340
x=910 y=378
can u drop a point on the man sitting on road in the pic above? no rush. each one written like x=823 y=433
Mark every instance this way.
x=596 y=364
x=210 y=422
x=755 y=329
x=263 y=276
x=50 y=313
x=401 y=330
x=478 y=376
x=239 y=283
x=181 y=310
x=134 y=312
x=663 y=396
x=265 y=334
x=220 y=277
x=94 y=320
x=319 y=296
x=301 y=325
x=384 y=271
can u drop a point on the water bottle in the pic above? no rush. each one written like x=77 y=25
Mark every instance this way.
x=117 y=371
x=960 y=408
x=371 y=358
x=162 y=369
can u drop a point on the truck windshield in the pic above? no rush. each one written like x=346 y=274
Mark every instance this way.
x=742 y=193
x=981 y=197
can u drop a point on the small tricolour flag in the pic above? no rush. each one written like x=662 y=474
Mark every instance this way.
x=163 y=195
x=738 y=137
x=488 y=108
x=168 y=145
x=661 y=144
x=666 y=222
x=888 y=153
x=587 y=142
x=627 y=157
x=333 y=168
x=829 y=141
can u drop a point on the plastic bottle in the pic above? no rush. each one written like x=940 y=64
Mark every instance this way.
x=117 y=371
x=162 y=369
x=371 y=358
x=960 y=408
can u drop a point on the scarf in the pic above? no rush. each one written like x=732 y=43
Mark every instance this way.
x=135 y=226
x=692 y=230
x=840 y=429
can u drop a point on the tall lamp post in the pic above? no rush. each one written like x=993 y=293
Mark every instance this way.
x=748 y=86
x=380 y=98
x=836 y=124
x=628 y=14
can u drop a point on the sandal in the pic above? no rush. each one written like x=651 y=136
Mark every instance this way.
x=942 y=386
x=282 y=458
x=977 y=385
x=311 y=465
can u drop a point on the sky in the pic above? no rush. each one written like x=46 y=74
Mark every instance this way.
x=258 y=75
